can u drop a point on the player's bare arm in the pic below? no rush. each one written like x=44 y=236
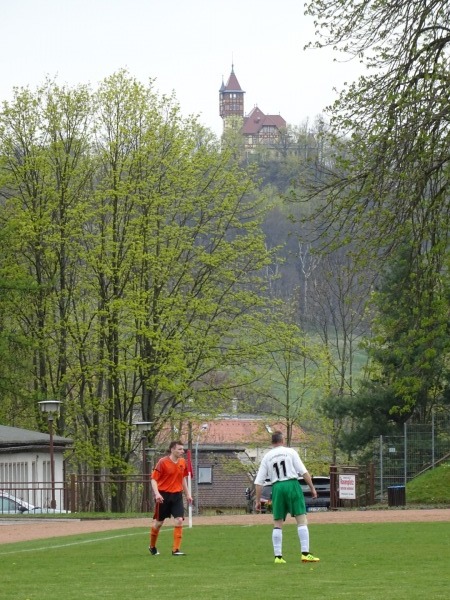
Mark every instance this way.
x=186 y=490
x=307 y=477
x=258 y=492
x=158 y=497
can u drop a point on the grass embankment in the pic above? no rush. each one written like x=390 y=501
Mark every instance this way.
x=431 y=489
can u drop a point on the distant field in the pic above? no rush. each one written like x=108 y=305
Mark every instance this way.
x=404 y=561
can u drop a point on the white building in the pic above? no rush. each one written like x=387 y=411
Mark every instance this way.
x=25 y=465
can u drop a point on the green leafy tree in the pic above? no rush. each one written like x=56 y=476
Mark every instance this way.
x=335 y=309
x=15 y=288
x=291 y=381
x=389 y=189
x=391 y=178
x=142 y=239
x=43 y=173
x=408 y=371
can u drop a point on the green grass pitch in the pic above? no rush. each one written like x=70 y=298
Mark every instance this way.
x=403 y=561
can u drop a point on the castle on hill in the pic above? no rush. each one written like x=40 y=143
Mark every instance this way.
x=257 y=128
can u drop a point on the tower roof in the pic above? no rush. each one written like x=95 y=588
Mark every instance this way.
x=232 y=84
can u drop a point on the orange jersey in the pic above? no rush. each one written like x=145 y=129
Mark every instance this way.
x=169 y=475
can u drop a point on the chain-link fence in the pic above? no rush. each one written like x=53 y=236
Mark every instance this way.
x=400 y=458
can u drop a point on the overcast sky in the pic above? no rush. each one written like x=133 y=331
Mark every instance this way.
x=186 y=45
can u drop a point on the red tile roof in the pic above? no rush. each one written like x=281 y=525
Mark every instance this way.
x=256 y=120
x=232 y=84
x=245 y=431
x=230 y=432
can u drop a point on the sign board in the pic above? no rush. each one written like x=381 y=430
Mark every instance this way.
x=347 y=487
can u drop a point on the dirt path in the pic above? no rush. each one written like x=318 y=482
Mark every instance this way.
x=18 y=530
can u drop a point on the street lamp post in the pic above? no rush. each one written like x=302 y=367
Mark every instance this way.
x=204 y=427
x=143 y=427
x=150 y=453
x=50 y=408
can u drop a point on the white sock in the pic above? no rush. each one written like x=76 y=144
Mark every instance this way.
x=303 y=536
x=277 y=541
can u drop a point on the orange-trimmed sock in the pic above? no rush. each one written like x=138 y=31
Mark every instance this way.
x=177 y=535
x=153 y=536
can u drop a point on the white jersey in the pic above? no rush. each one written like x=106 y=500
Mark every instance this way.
x=280 y=464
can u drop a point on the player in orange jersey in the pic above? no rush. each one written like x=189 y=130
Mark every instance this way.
x=169 y=480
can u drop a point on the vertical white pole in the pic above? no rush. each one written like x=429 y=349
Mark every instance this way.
x=405 y=458
x=381 y=468
x=190 y=494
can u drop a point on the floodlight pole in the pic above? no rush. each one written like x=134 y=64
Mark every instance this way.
x=50 y=407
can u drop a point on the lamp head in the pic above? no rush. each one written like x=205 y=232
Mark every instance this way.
x=49 y=406
x=143 y=426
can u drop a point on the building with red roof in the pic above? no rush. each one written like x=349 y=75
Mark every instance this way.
x=257 y=128
x=226 y=452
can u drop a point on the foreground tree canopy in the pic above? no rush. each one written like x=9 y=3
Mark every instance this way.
x=388 y=191
x=393 y=122
x=133 y=253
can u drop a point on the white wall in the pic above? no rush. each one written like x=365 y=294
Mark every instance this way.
x=28 y=476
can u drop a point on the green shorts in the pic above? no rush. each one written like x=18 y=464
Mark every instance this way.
x=287 y=497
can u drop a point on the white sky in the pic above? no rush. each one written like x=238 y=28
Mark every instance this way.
x=186 y=45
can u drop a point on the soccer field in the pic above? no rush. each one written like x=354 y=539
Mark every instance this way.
x=403 y=561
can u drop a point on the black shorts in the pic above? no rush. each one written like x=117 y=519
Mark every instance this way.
x=171 y=507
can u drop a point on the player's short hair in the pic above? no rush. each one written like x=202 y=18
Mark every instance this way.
x=277 y=437
x=175 y=443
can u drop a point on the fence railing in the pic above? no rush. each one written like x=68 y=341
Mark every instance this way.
x=122 y=494
x=104 y=493
x=26 y=498
x=400 y=458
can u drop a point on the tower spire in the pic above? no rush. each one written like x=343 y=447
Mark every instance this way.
x=231 y=98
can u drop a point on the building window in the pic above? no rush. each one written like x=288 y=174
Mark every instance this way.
x=205 y=475
x=16 y=472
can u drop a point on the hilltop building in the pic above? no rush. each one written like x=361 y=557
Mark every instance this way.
x=257 y=128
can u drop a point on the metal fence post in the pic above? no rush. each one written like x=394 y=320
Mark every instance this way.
x=433 y=457
x=381 y=467
x=73 y=493
x=371 y=476
x=405 y=456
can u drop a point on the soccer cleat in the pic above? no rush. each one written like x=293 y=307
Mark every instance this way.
x=153 y=551
x=309 y=558
x=178 y=553
x=279 y=560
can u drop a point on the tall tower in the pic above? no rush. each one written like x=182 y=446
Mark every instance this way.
x=231 y=102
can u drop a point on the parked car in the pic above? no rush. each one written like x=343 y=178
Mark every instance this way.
x=322 y=485
x=266 y=499
x=10 y=504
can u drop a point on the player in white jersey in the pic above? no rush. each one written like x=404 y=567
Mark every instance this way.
x=283 y=467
